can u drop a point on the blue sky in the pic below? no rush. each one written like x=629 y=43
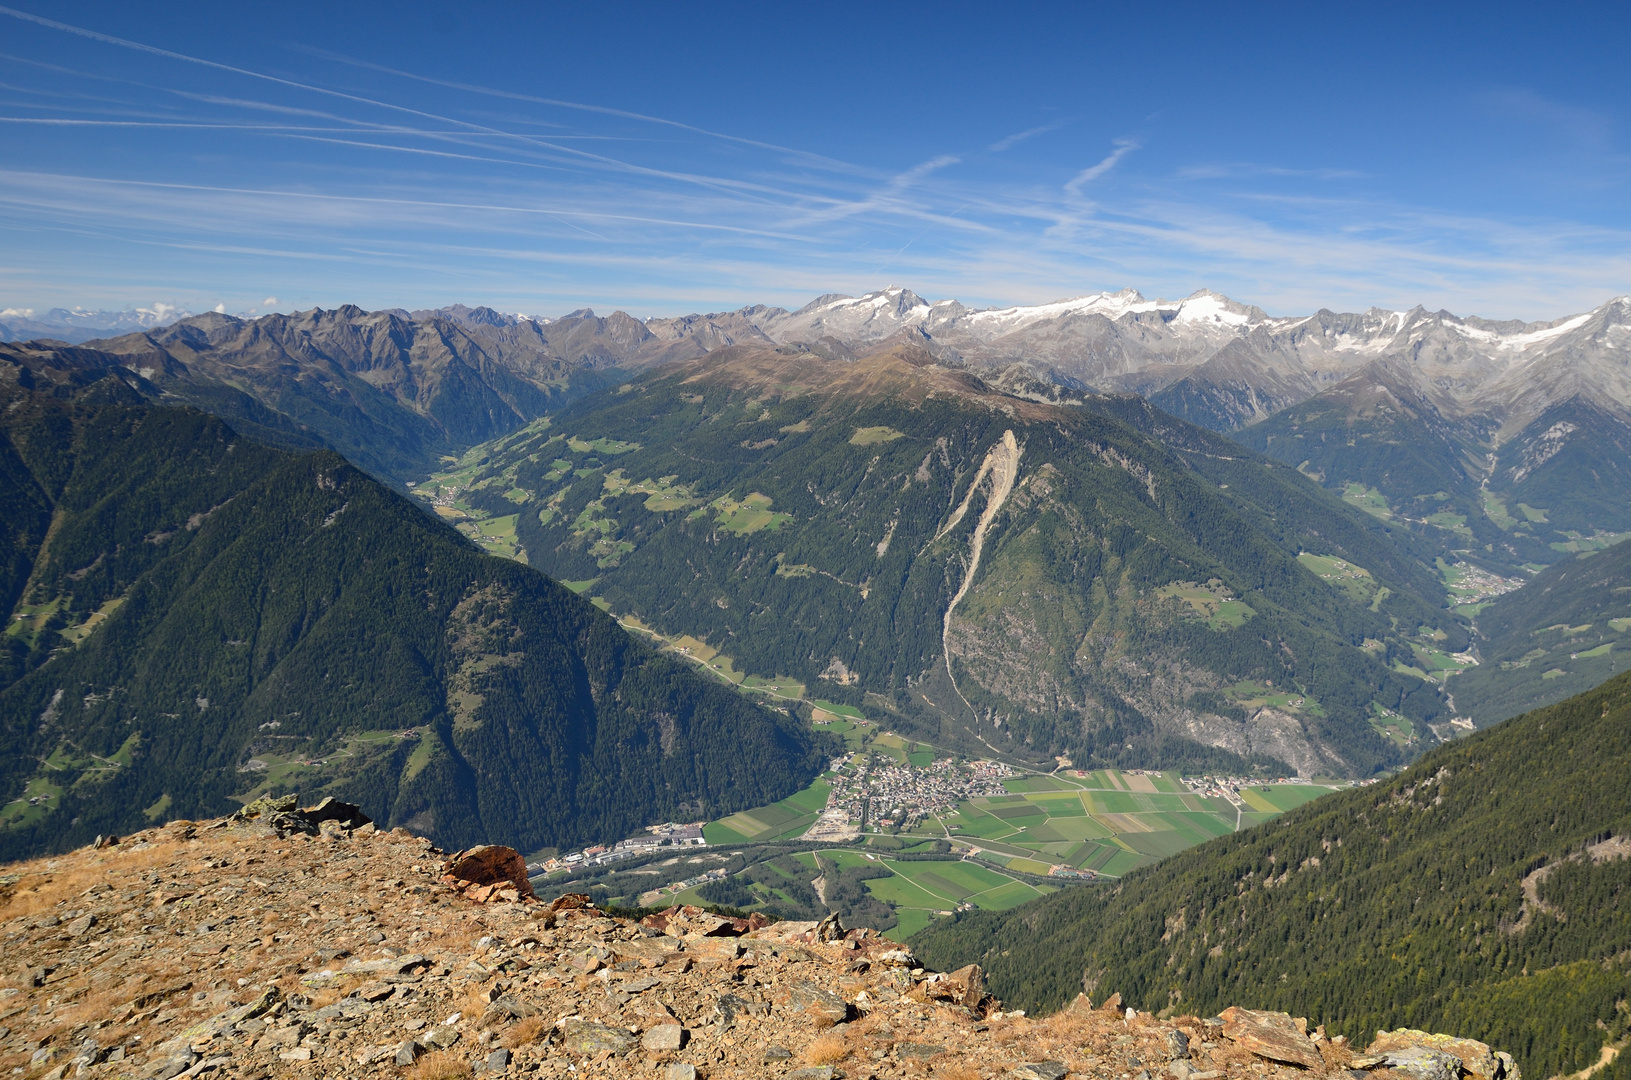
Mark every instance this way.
x=668 y=158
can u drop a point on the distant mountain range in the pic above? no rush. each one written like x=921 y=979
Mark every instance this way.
x=1523 y=411
x=75 y=325
x=1206 y=358
x=391 y=391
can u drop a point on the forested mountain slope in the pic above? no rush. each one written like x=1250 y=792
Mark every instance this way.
x=1101 y=594
x=1565 y=631
x=1484 y=890
x=196 y=618
x=1525 y=497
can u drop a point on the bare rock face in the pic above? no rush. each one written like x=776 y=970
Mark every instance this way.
x=1420 y=1053
x=488 y=870
x=231 y=949
x=281 y=814
x=1272 y=1035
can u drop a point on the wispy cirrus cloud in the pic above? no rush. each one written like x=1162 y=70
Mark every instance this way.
x=1237 y=170
x=1123 y=147
x=1011 y=141
x=321 y=194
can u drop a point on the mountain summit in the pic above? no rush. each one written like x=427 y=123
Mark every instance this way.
x=289 y=943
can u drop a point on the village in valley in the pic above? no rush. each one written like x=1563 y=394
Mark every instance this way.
x=944 y=832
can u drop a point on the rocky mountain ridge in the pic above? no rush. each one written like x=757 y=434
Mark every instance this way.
x=1236 y=359
x=391 y=392
x=1205 y=348
x=293 y=943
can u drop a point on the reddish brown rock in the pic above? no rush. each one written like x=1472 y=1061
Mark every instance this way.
x=1272 y=1035
x=491 y=865
x=569 y=902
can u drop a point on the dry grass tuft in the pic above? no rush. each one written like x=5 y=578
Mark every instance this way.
x=827 y=1049
x=528 y=1031
x=441 y=1065
x=1077 y=1021
x=98 y=1005
x=1233 y=1054
x=957 y=1070
x=1336 y=1055
x=323 y=998
x=471 y=1004
x=43 y=886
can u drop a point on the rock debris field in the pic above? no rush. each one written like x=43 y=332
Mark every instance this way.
x=287 y=943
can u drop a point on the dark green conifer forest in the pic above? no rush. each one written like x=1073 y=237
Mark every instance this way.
x=206 y=618
x=1485 y=891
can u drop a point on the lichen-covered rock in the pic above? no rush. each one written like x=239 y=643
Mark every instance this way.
x=1039 y=1070
x=586 y=1038
x=1476 y=1058
x=1417 y=1062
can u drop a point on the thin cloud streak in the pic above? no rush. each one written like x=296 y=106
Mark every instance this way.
x=166 y=53
x=1018 y=137
x=563 y=104
x=402 y=203
x=1088 y=175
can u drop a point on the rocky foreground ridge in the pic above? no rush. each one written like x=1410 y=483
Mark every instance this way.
x=308 y=943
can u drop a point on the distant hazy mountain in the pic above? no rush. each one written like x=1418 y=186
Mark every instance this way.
x=76 y=324
x=1210 y=359
x=1206 y=358
x=392 y=392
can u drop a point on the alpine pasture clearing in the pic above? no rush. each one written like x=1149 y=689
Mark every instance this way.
x=1211 y=603
x=750 y=515
x=872 y=436
x=1356 y=581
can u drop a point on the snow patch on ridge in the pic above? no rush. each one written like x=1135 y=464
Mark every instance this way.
x=1210 y=308
x=1112 y=305
x=1536 y=337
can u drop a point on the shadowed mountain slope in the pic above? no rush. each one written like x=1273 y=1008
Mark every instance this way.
x=197 y=618
x=1565 y=631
